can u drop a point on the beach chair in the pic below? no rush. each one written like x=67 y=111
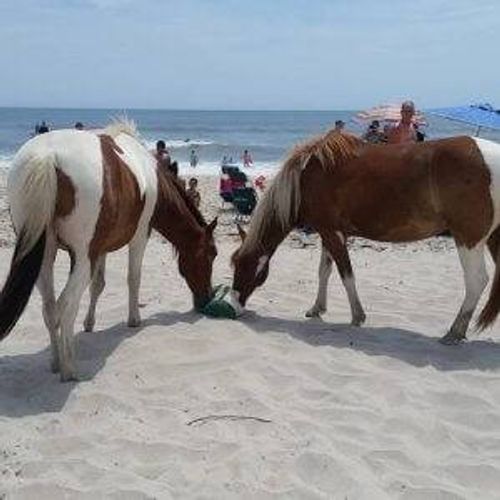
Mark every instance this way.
x=232 y=178
x=244 y=201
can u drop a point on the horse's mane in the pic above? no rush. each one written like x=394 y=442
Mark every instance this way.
x=176 y=192
x=171 y=184
x=332 y=149
x=121 y=125
x=281 y=201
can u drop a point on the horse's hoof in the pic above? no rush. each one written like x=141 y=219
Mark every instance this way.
x=452 y=339
x=358 y=320
x=134 y=323
x=315 y=312
x=68 y=376
x=54 y=366
x=88 y=327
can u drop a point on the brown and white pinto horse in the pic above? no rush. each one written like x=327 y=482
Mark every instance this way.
x=342 y=187
x=90 y=193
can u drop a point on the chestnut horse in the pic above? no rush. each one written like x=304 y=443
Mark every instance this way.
x=90 y=193
x=343 y=187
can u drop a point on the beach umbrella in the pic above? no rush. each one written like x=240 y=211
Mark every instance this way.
x=478 y=115
x=387 y=113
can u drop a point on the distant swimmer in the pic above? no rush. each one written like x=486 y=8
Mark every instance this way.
x=79 y=126
x=193 y=158
x=43 y=128
x=247 y=159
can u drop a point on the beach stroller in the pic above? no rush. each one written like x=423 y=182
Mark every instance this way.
x=244 y=201
x=233 y=189
x=232 y=178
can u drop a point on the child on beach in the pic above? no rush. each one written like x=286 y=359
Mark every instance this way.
x=247 y=158
x=192 y=191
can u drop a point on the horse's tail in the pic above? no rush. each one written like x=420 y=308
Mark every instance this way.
x=32 y=193
x=492 y=306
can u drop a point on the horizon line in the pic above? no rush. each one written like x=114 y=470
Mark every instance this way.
x=132 y=108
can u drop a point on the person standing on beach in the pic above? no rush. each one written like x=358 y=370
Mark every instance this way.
x=193 y=158
x=193 y=193
x=339 y=125
x=162 y=155
x=404 y=131
x=374 y=135
x=247 y=158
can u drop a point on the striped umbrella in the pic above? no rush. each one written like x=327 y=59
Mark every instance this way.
x=387 y=113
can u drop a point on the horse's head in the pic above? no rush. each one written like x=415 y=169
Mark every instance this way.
x=251 y=269
x=196 y=264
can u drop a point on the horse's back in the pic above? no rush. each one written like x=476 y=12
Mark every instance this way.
x=76 y=153
x=109 y=178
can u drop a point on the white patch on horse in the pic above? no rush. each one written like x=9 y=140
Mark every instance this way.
x=142 y=164
x=340 y=236
x=262 y=262
x=491 y=155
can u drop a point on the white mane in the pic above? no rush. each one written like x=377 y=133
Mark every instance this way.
x=122 y=125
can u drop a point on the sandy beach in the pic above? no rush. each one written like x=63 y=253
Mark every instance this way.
x=273 y=406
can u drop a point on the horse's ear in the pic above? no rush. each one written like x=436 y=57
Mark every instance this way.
x=212 y=226
x=241 y=232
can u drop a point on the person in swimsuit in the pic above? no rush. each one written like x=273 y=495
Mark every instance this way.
x=404 y=131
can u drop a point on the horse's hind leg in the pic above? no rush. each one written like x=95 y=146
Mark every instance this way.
x=67 y=305
x=96 y=287
x=476 y=279
x=324 y=272
x=45 y=285
x=494 y=243
x=135 y=256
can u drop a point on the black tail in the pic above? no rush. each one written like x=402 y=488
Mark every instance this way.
x=20 y=282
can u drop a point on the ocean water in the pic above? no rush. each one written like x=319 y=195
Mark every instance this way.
x=268 y=135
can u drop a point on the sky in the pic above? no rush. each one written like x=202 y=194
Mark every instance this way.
x=255 y=54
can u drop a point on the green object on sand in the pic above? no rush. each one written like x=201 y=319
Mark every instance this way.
x=218 y=307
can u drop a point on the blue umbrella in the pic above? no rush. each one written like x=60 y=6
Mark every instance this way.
x=479 y=115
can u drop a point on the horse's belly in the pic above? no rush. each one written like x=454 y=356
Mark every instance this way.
x=408 y=224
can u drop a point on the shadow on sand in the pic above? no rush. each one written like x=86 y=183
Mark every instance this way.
x=405 y=345
x=27 y=387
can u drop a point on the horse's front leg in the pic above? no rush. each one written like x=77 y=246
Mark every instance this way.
x=324 y=272
x=96 y=287
x=335 y=244
x=135 y=257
